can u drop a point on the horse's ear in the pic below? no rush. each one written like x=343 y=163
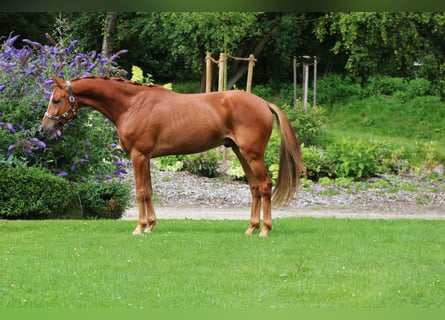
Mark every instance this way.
x=59 y=82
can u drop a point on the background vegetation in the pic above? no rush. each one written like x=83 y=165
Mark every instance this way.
x=380 y=110
x=380 y=93
x=172 y=45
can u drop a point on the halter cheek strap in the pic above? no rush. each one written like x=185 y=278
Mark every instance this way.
x=72 y=108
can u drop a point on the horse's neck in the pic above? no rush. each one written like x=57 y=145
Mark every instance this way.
x=103 y=95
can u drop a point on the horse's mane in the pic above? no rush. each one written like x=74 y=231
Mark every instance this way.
x=118 y=79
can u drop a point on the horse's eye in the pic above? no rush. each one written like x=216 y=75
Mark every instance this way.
x=56 y=101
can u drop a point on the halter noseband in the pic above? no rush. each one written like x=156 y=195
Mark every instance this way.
x=69 y=111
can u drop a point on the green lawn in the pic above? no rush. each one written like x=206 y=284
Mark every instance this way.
x=305 y=262
x=380 y=118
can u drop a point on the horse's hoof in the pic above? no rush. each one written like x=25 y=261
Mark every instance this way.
x=263 y=234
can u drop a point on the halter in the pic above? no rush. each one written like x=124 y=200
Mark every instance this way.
x=69 y=111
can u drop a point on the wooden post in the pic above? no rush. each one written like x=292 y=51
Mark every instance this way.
x=221 y=63
x=250 y=73
x=208 y=71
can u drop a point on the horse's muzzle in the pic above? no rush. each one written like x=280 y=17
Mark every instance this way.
x=47 y=130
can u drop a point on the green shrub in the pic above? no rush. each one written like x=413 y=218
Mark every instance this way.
x=204 y=163
x=415 y=88
x=355 y=158
x=318 y=163
x=331 y=89
x=385 y=85
x=103 y=200
x=334 y=88
x=421 y=87
x=402 y=89
x=307 y=122
x=170 y=163
x=31 y=193
x=286 y=91
x=263 y=91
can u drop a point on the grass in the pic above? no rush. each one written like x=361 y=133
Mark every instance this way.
x=306 y=262
x=385 y=119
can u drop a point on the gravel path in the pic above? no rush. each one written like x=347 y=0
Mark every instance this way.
x=180 y=195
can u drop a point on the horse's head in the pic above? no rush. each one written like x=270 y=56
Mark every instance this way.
x=61 y=107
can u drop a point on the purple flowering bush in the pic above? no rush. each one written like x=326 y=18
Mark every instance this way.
x=86 y=150
x=86 y=147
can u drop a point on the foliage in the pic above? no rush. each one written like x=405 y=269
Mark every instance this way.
x=103 y=200
x=403 y=44
x=401 y=89
x=264 y=91
x=25 y=85
x=318 y=163
x=204 y=163
x=334 y=88
x=170 y=163
x=354 y=158
x=406 y=124
x=30 y=193
x=137 y=75
x=36 y=193
x=385 y=85
x=331 y=89
x=307 y=122
x=172 y=45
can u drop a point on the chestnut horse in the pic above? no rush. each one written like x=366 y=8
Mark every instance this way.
x=153 y=121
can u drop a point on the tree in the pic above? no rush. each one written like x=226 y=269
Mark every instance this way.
x=172 y=45
x=391 y=43
x=109 y=33
x=196 y=33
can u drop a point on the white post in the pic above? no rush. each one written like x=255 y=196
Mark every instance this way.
x=315 y=81
x=306 y=83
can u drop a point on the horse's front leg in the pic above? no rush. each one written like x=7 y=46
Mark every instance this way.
x=147 y=216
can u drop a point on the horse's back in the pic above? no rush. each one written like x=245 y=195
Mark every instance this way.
x=238 y=105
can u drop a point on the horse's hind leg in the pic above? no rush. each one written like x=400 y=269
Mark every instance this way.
x=260 y=186
x=265 y=189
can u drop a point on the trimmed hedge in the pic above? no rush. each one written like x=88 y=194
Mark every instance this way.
x=32 y=193
x=103 y=200
x=36 y=193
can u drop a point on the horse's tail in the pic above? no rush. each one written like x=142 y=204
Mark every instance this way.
x=291 y=165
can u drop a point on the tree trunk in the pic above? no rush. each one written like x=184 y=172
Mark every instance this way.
x=110 y=33
x=239 y=69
